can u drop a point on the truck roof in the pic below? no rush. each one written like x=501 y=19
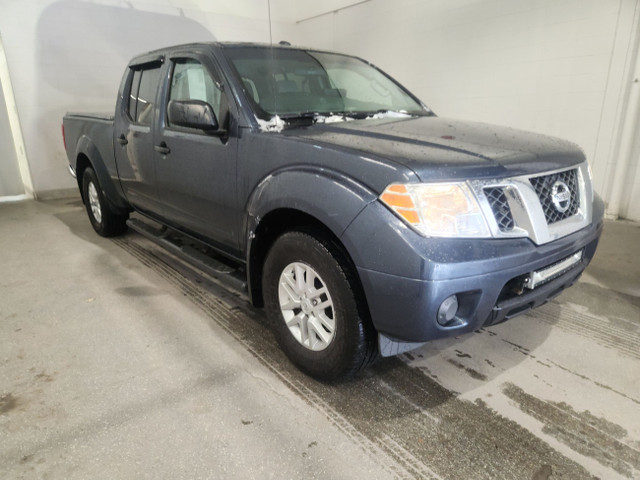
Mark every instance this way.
x=154 y=55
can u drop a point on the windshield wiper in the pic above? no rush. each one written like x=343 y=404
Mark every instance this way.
x=308 y=118
x=297 y=115
x=355 y=115
x=386 y=112
x=287 y=117
x=301 y=119
x=381 y=111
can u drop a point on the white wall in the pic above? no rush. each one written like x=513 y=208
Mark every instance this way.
x=557 y=67
x=631 y=201
x=10 y=180
x=69 y=55
x=625 y=186
x=560 y=67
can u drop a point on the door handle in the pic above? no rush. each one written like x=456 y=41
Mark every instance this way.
x=122 y=140
x=162 y=148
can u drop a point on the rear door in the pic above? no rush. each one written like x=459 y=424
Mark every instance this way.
x=133 y=130
x=196 y=170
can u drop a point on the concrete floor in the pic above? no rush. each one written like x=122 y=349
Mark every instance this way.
x=118 y=361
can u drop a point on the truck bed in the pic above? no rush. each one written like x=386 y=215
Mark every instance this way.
x=91 y=116
x=81 y=129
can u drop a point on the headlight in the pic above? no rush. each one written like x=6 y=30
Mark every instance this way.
x=437 y=209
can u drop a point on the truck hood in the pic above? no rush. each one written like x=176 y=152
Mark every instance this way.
x=440 y=149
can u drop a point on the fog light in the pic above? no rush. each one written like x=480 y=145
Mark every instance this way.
x=447 y=310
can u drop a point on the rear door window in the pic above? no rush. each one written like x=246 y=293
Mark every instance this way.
x=144 y=86
x=133 y=95
x=146 y=95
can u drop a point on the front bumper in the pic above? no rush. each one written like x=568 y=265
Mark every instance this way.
x=406 y=277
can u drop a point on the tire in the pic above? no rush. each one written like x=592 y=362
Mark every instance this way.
x=104 y=220
x=311 y=299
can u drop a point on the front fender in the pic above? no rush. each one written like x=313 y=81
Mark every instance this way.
x=329 y=196
x=110 y=188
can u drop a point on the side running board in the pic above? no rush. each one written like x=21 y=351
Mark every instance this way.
x=194 y=252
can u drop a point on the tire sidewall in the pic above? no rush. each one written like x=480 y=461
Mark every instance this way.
x=88 y=177
x=337 y=357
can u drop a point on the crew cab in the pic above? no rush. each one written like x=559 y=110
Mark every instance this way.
x=364 y=224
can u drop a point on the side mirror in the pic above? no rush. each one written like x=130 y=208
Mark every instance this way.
x=192 y=114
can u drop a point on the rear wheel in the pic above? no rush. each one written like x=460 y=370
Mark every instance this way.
x=103 y=219
x=311 y=297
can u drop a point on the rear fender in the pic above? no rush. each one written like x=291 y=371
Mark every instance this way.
x=110 y=186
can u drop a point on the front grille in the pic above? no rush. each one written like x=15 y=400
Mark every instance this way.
x=500 y=207
x=562 y=185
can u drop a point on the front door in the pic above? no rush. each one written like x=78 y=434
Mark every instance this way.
x=196 y=170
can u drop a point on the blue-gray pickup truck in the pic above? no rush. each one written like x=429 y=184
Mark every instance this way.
x=361 y=221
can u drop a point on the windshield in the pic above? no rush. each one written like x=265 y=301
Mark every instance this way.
x=289 y=83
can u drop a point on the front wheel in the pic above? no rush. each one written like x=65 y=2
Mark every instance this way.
x=311 y=297
x=103 y=219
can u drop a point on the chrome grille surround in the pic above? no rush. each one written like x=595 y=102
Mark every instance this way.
x=526 y=210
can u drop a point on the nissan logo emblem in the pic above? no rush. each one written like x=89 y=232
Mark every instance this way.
x=561 y=196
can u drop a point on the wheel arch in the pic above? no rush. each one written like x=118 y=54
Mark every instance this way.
x=299 y=197
x=280 y=221
x=88 y=155
x=82 y=162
